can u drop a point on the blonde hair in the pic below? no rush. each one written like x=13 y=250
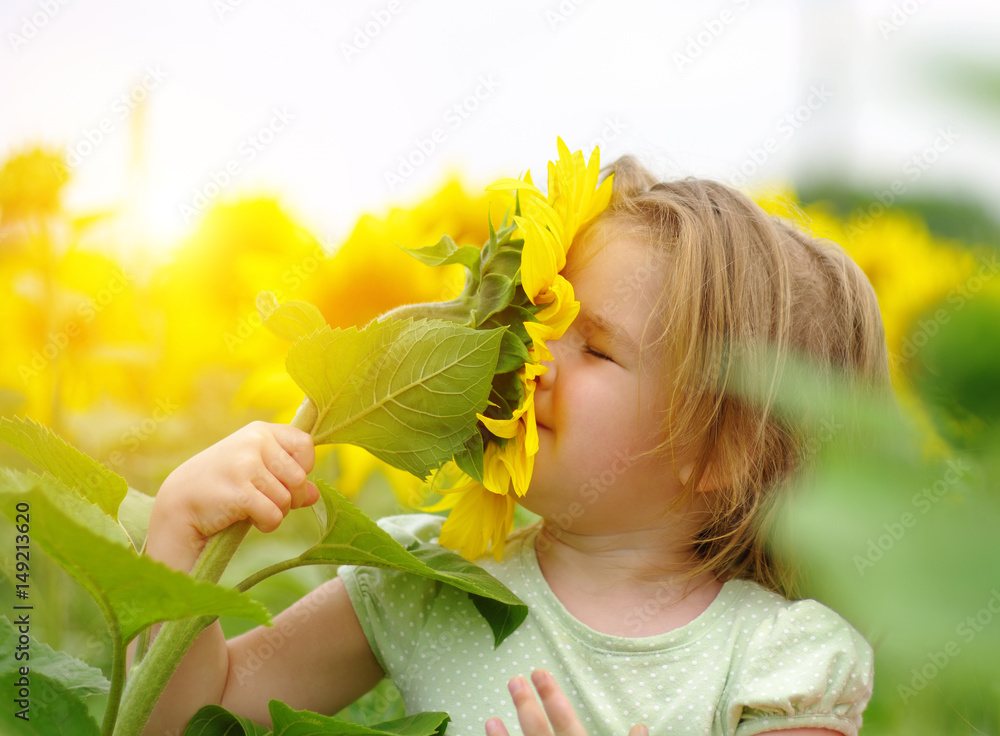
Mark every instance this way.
x=741 y=289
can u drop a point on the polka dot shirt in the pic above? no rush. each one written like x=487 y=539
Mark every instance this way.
x=751 y=662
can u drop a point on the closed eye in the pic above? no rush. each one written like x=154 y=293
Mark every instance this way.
x=597 y=354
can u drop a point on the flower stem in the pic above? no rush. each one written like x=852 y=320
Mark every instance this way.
x=117 y=681
x=153 y=673
x=175 y=637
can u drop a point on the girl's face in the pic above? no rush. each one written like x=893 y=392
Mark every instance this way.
x=599 y=405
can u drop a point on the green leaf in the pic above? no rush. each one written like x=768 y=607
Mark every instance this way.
x=289 y=722
x=495 y=293
x=290 y=320
x=351 y=538
x=132 y=591
x=408 y=392
x=133 y=515
x=457 y=571
x=73 y=675
x=214 y=720
x=470 y=460
x=446 y=253
x=83 y=474
x=54 y=709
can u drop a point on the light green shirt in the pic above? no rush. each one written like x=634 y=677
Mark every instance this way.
x=751 y=662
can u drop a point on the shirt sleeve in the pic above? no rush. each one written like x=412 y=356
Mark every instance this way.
x=393 y=606
x=805 y=667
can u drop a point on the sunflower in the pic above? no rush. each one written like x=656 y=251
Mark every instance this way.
x=482 y=509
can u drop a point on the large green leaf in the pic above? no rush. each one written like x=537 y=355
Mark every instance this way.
x=76 y=470
x=132 y=591
x=214 y=720
x=289 y=722
x=133 y=515
x=61 y=668
x=407 y=392
x=351 y=538
x=53 y=710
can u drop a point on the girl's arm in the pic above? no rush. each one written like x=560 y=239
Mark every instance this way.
x=316 y=655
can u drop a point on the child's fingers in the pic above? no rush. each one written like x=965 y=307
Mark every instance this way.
x=296 y=443
x=529 y=713
x=638 y=729
x=557 y=706
x=495 y=727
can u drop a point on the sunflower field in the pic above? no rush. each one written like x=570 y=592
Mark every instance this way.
x=142 y=362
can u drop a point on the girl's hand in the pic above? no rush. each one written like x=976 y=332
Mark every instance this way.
x=257 y=473
x=557 y=717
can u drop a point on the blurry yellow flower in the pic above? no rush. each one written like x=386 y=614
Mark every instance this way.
x=30 y=184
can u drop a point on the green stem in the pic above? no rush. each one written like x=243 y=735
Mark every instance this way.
x=142 y=645
x=117 y=681
x=244 y=585
x=175 y=637
x=153 y=673
x=459 y=311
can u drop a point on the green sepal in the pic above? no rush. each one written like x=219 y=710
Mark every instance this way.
x=513 y=318
x=290 y=320
x=495 y=293
x=446 y=253
x=513 y=353
x=506 y=396
x=507 y=263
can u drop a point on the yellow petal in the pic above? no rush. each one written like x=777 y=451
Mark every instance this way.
x=562 y=307
x=477 y=520
x=541 y=258
x=505 y=428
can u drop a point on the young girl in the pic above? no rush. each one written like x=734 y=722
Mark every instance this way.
x=652 y=598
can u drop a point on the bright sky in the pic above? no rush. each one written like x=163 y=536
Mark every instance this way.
x=343 y=108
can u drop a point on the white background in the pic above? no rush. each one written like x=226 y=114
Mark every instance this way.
x=691 y=88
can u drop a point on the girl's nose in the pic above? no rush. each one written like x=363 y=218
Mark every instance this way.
x=546 y=379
